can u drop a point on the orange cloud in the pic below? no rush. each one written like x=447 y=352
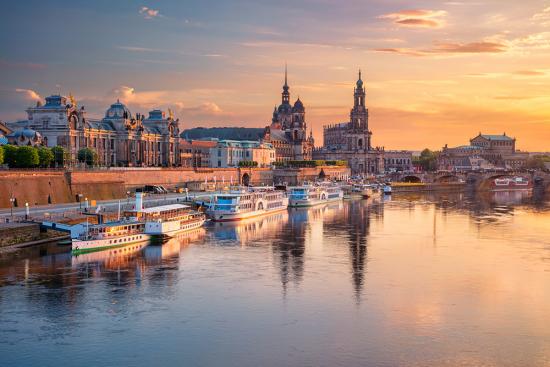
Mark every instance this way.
x=473 y=47
x=29 y=94
x=420 y=18
x=149 y=13
x=449 y=48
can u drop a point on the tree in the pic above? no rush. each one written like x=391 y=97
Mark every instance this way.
x=27 y=157
x=88 y=156
x=1 y=155
x=59 y=155
x=45 y=156
x=427 y=160
x=10 y=155
x=536 y=162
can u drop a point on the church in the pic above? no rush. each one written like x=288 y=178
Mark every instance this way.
x=288 y=130
x=351 y=141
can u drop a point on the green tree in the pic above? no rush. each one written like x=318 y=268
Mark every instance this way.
x=10 y=155
x=45 y=156
x=59 y=155
x=88 y=156
x=1 y=155
x=427 y=160
x=27 y=157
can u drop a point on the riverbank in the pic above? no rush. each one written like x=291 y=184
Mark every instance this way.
x=404 y=187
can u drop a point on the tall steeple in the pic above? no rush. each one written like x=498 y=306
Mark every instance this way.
x=359 y=93
x=286 y=94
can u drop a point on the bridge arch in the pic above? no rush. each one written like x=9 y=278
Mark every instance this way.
x=411 y=179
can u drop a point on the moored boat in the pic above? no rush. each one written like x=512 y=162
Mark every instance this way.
x=246 y=203
x=110 y=235
x=511 y=183
x=387 y=188
x=310 y=195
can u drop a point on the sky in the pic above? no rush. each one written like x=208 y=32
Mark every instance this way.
x=436 y=72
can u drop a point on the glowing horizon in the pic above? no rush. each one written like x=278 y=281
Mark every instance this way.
x=436 y=73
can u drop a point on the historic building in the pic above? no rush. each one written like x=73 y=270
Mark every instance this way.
x=196 y=153
x=120 y=138
x=288 y=130
x=351 y=141
x=229 y=153
x=484 y=152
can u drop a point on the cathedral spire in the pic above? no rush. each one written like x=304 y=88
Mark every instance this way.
x=286 y=94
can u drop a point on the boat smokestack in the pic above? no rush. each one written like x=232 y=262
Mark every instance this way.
x=139 y=201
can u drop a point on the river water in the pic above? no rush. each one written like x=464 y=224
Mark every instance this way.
x=445 y=280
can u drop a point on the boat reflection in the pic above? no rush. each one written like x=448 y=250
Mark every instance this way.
x=247 y=230
x=172 y=248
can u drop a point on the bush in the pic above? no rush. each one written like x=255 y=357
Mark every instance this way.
x=10 y=155
x=27 y=157
x=248 y=164
x=59 y=155
x=45 y=156
x=1 y=155
x=88 y=156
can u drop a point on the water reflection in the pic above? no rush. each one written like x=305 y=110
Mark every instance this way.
x=415 y=280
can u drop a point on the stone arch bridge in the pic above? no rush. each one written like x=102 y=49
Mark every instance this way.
x=473 y=179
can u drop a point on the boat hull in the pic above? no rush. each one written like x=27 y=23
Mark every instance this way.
x=84 y=246
x=233 y=217
x=162 y=232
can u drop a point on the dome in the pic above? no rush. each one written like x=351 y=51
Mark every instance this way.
x=25 y=136
x=298 y=106
x=284 y=108
x=118 y=111
x=360 y=81
x=26 y=133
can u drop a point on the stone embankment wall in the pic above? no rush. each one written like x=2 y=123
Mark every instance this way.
x=297 y=176
x=35 y=187
x=20 y=233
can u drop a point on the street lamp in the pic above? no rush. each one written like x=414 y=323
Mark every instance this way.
x=86 y=204
x=27 y=211
x=127 y=197
x=80 y=201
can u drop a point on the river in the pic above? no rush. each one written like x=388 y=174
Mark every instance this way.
x=417 y=280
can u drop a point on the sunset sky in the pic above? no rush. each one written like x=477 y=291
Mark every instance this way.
x=436 y=72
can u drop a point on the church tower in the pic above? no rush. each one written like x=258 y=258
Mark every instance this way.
x=359 y=134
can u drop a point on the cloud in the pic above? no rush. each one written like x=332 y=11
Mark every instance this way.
x=529 y=72
x=419 y=18
x=450 y=48
x=203 y=108
x=149 y=13
x=123 y=92
x=543 y=17
x=29 y=94
x=473 y=47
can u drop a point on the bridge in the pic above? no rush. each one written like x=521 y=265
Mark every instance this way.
x=473 y=179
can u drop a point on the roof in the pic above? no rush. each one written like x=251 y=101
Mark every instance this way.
x=163 y=208
x=199 y=143
x=496 y=137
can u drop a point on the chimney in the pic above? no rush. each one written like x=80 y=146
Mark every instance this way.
x=139 y=201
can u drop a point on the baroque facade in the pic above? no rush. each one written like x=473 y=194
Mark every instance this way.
x=351 y=141
x=120 y=138
x=288 y=130
x=484 y=152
